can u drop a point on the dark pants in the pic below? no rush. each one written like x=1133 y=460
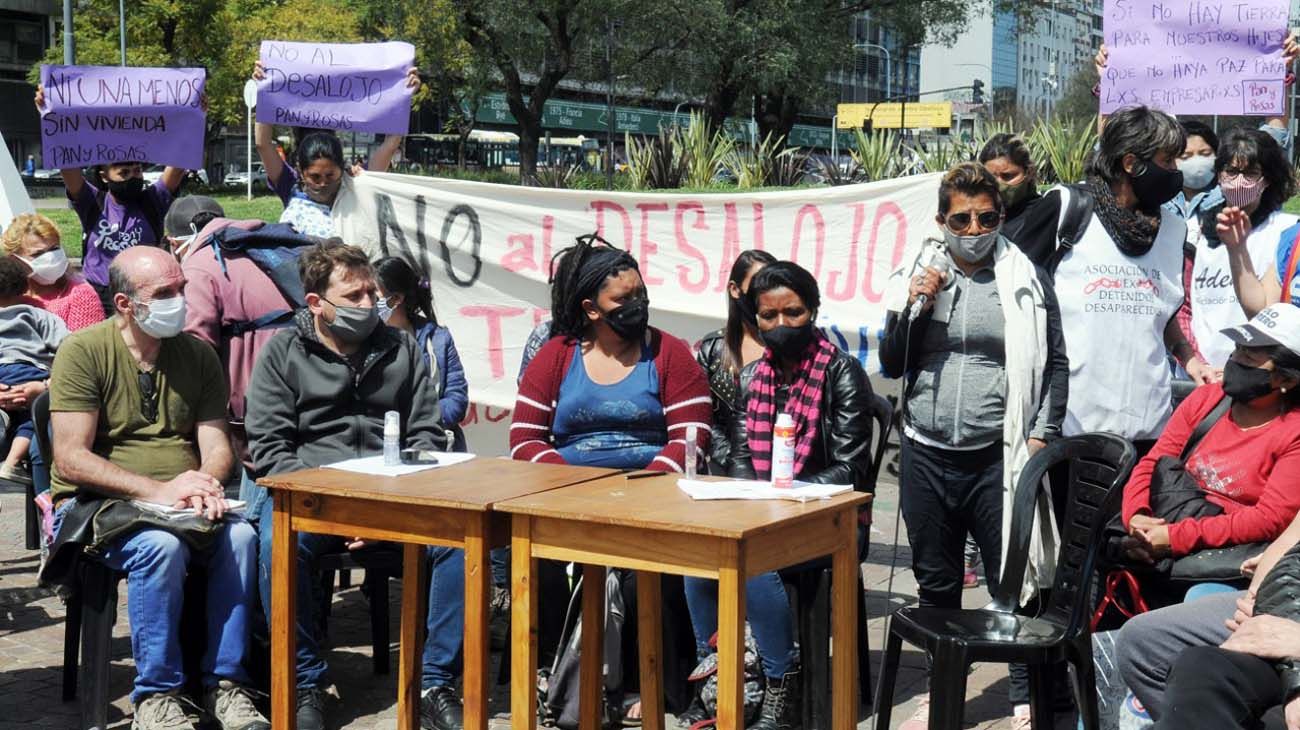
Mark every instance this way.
x=946 y=495
x=105 y=299
x=1215 y=689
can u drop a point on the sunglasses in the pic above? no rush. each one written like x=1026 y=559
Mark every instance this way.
x=958 y=222
x=148 y=396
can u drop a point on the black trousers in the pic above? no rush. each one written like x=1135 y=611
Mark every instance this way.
x=1215 y=689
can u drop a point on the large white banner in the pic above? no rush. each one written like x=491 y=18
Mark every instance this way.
x=486 y=250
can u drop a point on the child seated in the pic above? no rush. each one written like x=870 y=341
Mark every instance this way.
x=29 y=337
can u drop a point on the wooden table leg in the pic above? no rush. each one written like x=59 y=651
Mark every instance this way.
x=478 y=583
x=284 y=629
x=591 y=678
x=410 y=648
x=731 y=639
x=844 y=626
x=523 y=626
x=650 y=626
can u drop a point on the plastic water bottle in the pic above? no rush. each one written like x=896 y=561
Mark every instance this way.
x=392 y=439
x=692 y=450
x=783 y=452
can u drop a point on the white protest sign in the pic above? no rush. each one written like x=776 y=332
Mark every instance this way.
x=14 y=200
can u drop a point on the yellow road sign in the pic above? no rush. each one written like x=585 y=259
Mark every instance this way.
x=937 y=115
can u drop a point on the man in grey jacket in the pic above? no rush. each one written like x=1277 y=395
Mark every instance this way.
x=318 y=395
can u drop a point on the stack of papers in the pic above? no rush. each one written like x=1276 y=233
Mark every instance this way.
x=374 y=465
x=746 y=489
x=233 y=507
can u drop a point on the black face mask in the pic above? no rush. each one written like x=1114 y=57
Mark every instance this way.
x=1155 y=186
x=789 y=342
x=1243 y=383
x=128 y=190
x=629 y=320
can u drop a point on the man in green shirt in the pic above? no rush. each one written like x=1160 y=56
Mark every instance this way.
x=138 y=411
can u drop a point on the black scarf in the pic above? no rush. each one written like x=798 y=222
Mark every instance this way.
x=1133 y=231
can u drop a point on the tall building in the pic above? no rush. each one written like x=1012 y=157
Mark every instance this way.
x=1025 y=65
x=26 y=30
x=879 y=68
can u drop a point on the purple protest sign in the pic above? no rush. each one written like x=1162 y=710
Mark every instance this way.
x=96 y=115
x=349 y=87
x=1195 y=56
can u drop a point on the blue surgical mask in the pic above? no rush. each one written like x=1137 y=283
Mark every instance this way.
x=162 y=318
x=385 y=310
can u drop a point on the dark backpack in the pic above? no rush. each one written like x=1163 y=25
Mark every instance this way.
x=1078 y=212
x=275 y=249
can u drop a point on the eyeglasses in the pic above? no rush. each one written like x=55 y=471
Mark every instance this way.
x=958 y=222
x=1250 y=177
x=148 y=396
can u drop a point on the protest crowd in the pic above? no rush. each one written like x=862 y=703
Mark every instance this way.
x=1157 y=300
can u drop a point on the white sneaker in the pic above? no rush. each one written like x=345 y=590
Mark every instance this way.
x=920 y=719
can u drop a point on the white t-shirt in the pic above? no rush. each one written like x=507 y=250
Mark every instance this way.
x=1214 y=300
x=1114 y=309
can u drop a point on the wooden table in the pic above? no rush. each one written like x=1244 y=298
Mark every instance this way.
x=445 y=506
x=650 y=526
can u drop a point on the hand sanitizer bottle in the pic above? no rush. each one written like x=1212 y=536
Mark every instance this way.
x=783 y=452
x=392 y=439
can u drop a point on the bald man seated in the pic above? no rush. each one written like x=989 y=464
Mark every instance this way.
x=138 y=411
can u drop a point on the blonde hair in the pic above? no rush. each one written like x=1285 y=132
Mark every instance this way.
x=26 y=224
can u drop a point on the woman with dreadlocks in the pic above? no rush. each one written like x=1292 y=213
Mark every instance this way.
x=607 y=389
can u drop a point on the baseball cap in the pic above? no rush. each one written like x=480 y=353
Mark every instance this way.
x=1278 y=324
x=181 y=215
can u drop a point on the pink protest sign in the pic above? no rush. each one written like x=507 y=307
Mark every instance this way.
x=96 y=115
x=348 y=87
x=1195 y=56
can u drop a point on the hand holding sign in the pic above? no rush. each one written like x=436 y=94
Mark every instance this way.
x=358 y=87
x=93 y=115
x=1195 y=56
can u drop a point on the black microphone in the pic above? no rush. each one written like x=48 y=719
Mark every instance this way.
x=939 y=262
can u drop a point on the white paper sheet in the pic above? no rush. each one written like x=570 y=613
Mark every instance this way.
x=233 y=506
x=374 y=465
x=747 y=489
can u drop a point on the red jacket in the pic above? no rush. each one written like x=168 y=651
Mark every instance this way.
x=685 y=392
x=1254 y=475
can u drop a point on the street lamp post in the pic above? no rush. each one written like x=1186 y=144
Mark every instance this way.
x=69 y=39
x=609 y=98
x=121 y=26
x=677 y=110
x=888 y=65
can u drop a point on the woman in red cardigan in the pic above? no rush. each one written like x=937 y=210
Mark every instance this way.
x=607 y=389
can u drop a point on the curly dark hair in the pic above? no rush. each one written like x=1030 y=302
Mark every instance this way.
x=13 y=277
x=1255 y=148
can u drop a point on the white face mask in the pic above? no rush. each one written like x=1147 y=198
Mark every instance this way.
x=163 y=317
x=1198 y=172
x=385 y=310
x=49 y=267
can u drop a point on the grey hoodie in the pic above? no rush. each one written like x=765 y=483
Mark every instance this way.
x=308 y=406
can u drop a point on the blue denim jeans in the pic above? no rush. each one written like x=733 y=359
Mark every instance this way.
x=766 y=606
x=155 y=562
x=252 y=494
x=311 y=664
x=446 y=620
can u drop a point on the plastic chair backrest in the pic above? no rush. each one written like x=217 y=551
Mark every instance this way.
x=1099 y=466
x=41 y=422
x=882 y=412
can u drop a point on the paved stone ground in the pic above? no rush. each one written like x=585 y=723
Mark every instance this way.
x=31 y=638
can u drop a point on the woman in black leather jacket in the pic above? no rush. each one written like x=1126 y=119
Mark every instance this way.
x=724 y=353
x=827 y=394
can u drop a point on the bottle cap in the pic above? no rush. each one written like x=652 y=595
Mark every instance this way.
x=785 y=419
x=393 y=421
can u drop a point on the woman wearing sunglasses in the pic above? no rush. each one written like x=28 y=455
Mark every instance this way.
x=1253 y=173
x=974 y=328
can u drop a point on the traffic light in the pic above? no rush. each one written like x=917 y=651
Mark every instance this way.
x=977 y=91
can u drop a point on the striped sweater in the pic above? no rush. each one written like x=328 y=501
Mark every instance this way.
x=681 y=381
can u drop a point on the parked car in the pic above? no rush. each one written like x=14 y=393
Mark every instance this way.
x=240 y=177
x=153 y=172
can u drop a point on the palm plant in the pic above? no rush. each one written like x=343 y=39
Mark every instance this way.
x=879 y=155
x=705 y=151
x=1065 y=149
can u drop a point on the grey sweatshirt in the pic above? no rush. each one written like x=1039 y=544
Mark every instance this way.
x=958 y=386
x=30 y=335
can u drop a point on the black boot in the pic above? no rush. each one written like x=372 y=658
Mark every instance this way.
x=781 y=707
x=694 y=713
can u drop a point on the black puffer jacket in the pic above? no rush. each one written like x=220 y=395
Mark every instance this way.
x=724 y=389
x=1279 y=595
x=842 y=454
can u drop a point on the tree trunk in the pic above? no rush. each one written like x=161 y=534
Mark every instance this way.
x=529 y=137
x=776 y=115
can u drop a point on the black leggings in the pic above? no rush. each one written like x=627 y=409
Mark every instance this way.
x=1216 y=689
